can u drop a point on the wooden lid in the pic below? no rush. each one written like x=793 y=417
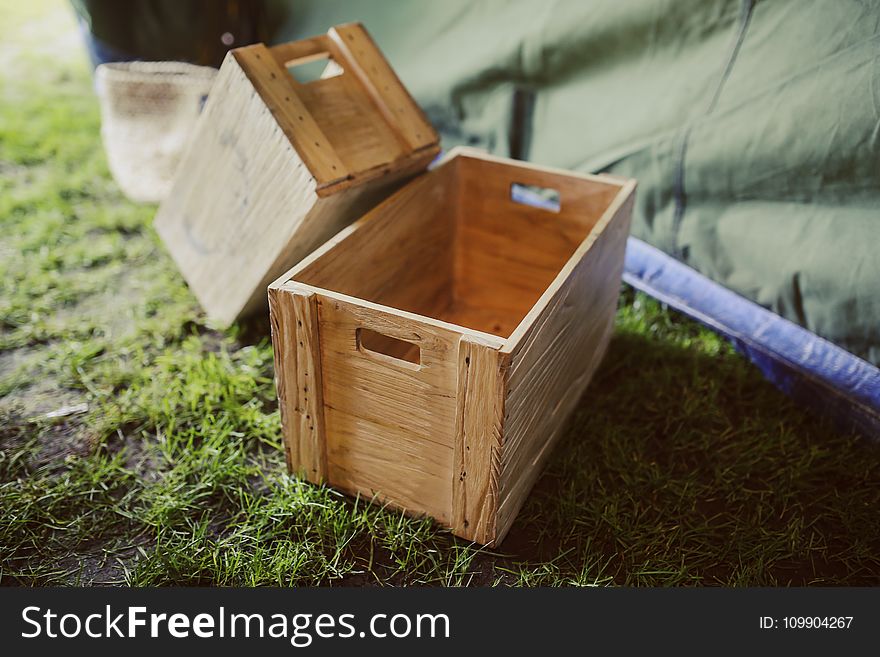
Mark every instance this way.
x=355 y=123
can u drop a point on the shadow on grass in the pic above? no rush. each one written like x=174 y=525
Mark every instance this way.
x=255 y=329
x=683 y=468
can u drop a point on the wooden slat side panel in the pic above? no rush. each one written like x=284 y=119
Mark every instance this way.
x=242 y=191
x=582 y=199
x=273 y=84
x=509 y=253
x=296 y=343
x=327 y=217
x=283 y=327
x=477 y=449
x=553 y=362
x=304 y=49
x=247 y=202
x=389 y=424
x=399 y=254
x=366 y=61
x=390 y=464
x=358 y=133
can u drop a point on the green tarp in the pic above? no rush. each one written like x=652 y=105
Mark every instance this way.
x=752 y=127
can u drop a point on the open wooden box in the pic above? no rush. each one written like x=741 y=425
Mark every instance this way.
x=277 y=165
x=430 y=353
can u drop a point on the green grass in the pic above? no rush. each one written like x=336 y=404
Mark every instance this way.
x=681 y=465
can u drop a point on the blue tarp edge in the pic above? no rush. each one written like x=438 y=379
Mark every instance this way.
x=806 y=367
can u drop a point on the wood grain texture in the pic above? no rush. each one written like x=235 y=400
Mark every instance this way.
x=487 y=319
x=276 y=167
x=556 y=353
x=363 y=141
x=300 y=51
x=283 y=99
x=399 y=256
x=390 y=425
x=373 y=71
x=477 y=450
x=509 y=253
x=327 y=216
x=214 y=230
x=295 y=336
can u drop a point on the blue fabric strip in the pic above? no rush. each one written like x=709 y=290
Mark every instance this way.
x=804 y=366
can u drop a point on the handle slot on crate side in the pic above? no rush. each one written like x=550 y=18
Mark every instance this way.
x=389 y=349
x=319 y=66
x=543 y=198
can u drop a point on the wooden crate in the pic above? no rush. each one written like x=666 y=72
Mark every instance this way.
x=277 y=166
x=430 y=353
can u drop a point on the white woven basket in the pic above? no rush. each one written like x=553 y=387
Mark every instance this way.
x=148 y=111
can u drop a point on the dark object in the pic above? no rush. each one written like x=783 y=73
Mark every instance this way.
x=195 y=31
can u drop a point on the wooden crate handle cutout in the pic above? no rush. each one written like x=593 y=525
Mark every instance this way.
x=536 y=196
x=388 y=349
x=301 y=51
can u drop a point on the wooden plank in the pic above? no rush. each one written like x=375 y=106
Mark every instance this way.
x=283 y=326
x=477 y=449
x=389 y=422
x=359 y=134
x=302 y=50
x=399 y=255
x=555 y=354
x=275 y=87
x=469 y=153
x=224 y=236
x=296 y=342
x=507 y=253
x=390 y=464
x=274 y=168
x=363 y=58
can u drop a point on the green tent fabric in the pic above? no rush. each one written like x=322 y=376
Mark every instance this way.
x=752 y=127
